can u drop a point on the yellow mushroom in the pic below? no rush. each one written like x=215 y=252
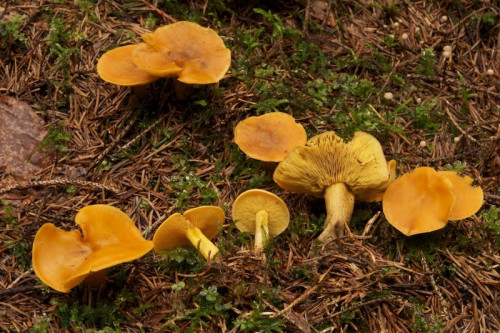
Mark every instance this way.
x=196 y=227
x=261 y=213
x=337 y=171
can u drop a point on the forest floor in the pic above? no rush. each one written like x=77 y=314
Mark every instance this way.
x=330 y=64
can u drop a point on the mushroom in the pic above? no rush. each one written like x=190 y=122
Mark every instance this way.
x=261 y=213
x=63 y=259
x=116 y=66
x=340 y=172
x=424 y=200
x=196 y=227
x=186 y=50
x=269 y=137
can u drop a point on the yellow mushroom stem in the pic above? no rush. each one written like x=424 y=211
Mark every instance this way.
x=207 y=249
x=261 y=230
x=339 y=206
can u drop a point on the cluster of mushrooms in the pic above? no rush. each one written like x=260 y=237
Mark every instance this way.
x=324 y=166
x=63 y=259
x=183 y=50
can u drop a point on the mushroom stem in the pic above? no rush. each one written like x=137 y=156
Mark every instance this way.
x=269 y=166
x=182 y=90
x=140 y=91
x=261 y=230
x=339 y=206
x=207 y=249
x=96 y=280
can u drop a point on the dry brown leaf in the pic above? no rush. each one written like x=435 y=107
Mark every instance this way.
x=21 y=131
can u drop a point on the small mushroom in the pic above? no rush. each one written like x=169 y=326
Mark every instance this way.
x=340 y=172
x=116 y=66
x=186 y=50
x=63 y=259
x=269 y=137
x=424 y=200
x=196 y=227
x=261 y=213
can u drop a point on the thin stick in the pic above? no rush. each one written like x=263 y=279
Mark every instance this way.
x=295 y=302
x=61 y=181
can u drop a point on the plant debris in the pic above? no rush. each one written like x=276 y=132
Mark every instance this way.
x=21 y=133
x=329 y=64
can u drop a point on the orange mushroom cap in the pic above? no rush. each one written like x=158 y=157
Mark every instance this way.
x=269 y=137
x=116 y=66
x=194 y=54
x=418 y=202
x=468 y=199
x=63 y=259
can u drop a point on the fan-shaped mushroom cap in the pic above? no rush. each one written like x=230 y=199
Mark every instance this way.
x=63 y=259
x=326 y=160
x=269 y=137
x=468 y=199
x=194 y=54
x=116 y=66
x=172 y=232
x=418 y=202
x=249 y=203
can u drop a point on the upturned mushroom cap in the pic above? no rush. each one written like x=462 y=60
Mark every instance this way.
x=468 y=199
x=194 y=54
x=249 y=203
x=269 y=137
x=326 y=159
x=63 y=259
x=418 y=202
x=116 y=66
x=172 y=232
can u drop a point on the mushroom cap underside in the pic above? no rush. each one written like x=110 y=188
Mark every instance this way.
x=326 y=160
x=377 y=193
x=249 y=203
x=269 y=137
x=172 y=232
